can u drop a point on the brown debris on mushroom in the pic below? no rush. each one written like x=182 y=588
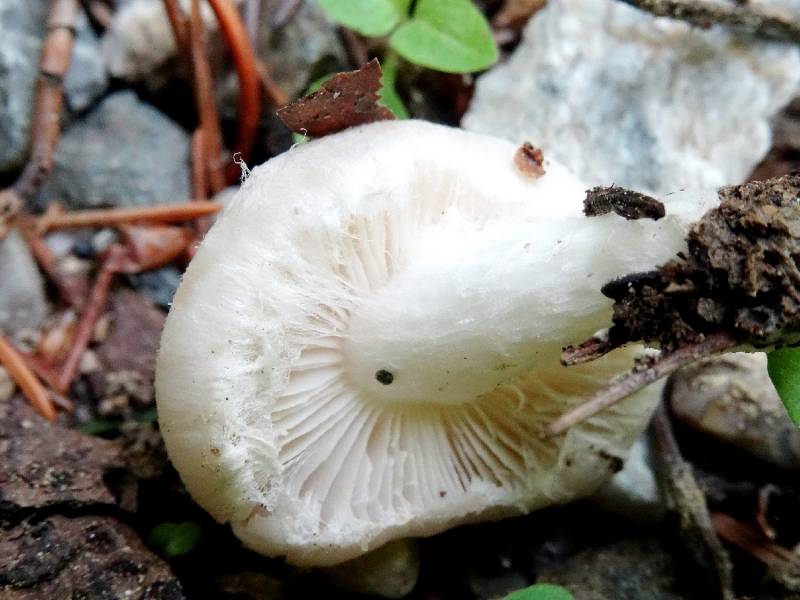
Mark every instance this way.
x=345 y=100
x=625 y=203
x=529 y=160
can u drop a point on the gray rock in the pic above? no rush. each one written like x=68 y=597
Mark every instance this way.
x=22 y=299
x=139 y=47
x=7 y=386
x=390 y=571
x=628 y=570
x=733 y=399
x=86 y=79
x=622 y=97
x=159 y=285
x=633 y=492
x=23 y=28
x=124 y=152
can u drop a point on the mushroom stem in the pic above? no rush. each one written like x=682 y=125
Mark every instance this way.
x=512 y=299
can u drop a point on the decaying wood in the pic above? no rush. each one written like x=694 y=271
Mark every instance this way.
x=702 y=13
x=696 y=528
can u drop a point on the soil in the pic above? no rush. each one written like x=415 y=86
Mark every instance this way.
x=740 y=276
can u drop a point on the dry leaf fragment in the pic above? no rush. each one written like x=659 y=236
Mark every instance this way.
x=345 y=100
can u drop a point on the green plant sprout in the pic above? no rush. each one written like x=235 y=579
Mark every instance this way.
x=783 y=367
x=451 y=36
x=541 y=591
x=175 y=539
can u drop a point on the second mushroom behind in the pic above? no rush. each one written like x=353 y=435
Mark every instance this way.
x=366 y=345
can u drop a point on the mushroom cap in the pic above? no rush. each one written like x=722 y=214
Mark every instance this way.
x=366 y=344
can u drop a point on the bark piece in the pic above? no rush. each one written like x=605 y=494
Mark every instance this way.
x=42 y=465
x=83 y=557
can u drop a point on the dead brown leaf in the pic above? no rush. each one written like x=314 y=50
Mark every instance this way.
x=345 y=100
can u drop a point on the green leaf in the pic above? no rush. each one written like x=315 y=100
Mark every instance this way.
x=447 y=35
x=100 y=427
x=541 y=591
x=784 y=370
x=175 y=539
x=368 y=17
x=389 y=96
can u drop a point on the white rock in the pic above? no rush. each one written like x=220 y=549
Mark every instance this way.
x=140 y=46
x=622 y=97
x=390 y=571
x=634 y=492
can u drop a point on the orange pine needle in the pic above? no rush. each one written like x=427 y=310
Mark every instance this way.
x=27 y=381
x=161 y=213
x=245 y=62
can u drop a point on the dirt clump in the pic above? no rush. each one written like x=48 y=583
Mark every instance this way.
x=740 y=276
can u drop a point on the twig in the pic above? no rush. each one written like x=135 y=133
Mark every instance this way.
x=763 y=508
x=696 y=526
x=160 y=213
x=71 y=288
x=94 y=308
x=99 y=12
x=199 y=171
x=638 y=378
x=244 y=60
x=704 y=14
x=591 y=349
x=180 y=27
x=285 y=12
x=275 y=94
x=19 y=371
x=204 y=97
x=356 y=48
x=751 y=541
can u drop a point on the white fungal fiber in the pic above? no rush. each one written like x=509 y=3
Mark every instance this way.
x=366 y=345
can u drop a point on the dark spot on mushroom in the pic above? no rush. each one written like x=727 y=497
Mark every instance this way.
x=614 y=462
x=384 y=376
x=442 y=494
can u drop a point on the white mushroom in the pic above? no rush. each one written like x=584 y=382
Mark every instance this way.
x=366 y=345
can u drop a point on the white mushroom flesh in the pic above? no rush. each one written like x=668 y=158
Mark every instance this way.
x=366 y=345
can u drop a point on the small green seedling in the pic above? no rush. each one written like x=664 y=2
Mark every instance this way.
x=451 y=36
x=784 y=370
x=541 y=591
x=175 y=539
